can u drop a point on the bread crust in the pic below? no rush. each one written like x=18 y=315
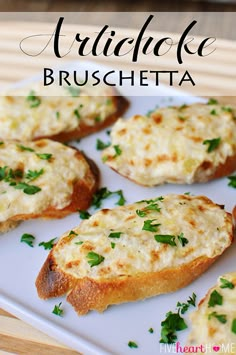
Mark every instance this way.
x=80 y=199
x=121 y=104
x=86 y=293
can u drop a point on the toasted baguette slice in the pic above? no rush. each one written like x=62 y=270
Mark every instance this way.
x=215 y=322
x=185 y=144
x=114 y=256
x=58 y=117
x=43 y=179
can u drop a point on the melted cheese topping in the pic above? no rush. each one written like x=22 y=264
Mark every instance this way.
x=54 y=114
x=136 y=250
x=168 y=145
x=56 y=182
x=212 y=331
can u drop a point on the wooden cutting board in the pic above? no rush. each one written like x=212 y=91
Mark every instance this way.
x=17 y=337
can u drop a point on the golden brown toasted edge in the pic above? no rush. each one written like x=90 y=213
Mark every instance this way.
x=121 y=104
x=80 y=199
x=215 y=172
x=8 y=225
x=51 y=281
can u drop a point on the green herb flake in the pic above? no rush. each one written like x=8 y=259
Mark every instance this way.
x=94 y=259
x=1 y=143
x=27 y=189
x=212 y=102
x=181 y=118
x=22 y=147
x=27 y=239
x=44 y=156
x=222 y=318
x=57 y=310
x=118 y=151
x=183 y=307
x=72 y=233
x=115 y=234
x=132 y=344
x=183 y=241
x=100 y=145
x=97 y=119
x=160 y=198
x=233 y=326
x=48 y=245
x=227 y=109
x=33 y=174
x=213 y=112
x=108 y=102
x=232 y=181
x=104 y=193
x=151 y=330
x=3 y=172
x=58 y=115
x=113 y=245
x=73 y=91
x=34 y=100
x=165 y=239
x=84 y=214
x=212 y=144
x=79 y=243
x=215 y=299
x=226 y=284
x=77 y=114
x=141 y=213
x=173 y=323
x=150 y=226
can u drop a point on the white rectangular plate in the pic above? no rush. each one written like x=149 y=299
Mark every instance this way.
x=110 y=332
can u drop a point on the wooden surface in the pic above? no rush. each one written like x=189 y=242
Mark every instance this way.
x=16 y=337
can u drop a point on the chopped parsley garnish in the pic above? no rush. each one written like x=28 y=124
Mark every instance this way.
x=160 y=198
x=165 y=239
x=141 y=213
x=27 y=189
x=94 y=259
x=132 y=344
x=1 y=143
x=22 y=147
x=232 y=181
x=227 y=109
x=213 y=112
x=212 y=102
x=215 y=299
x=57 y=310
x=117 y=150
x=115 y=235
x=77 y=114
x=151 y=331
x=34 y=100
x=33 y=174
x=171 y=239
x=79 y=243
x=100 y=145
x=44 y=156
x=104 y=193
x=113 y=245
x=226 y=284
x=48 y=245
x=57 y=115
x=182 y=240
x=181 y=118
x=84 y=214
x=97 y=119
x=10 y=177
x=222 y=318
x=72 y=233
x=212 y=144
x=233 y=326
x=74 y=92
x=174 y=322
x=150 y=226
x=108 y=102
x=27 y=239
x=183 y=307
